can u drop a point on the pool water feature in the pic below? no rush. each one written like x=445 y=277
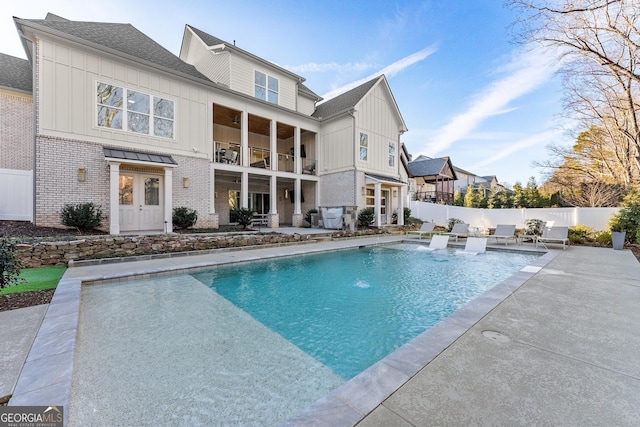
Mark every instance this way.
x=349 y=309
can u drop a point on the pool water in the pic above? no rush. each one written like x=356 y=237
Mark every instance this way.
x=349 y=309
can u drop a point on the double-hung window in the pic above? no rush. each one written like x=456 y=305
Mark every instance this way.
x=266 y=87
x=392 y=154
x=364 y=146
x=140 y=113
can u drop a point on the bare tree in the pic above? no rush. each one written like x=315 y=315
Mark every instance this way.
x=598 y=44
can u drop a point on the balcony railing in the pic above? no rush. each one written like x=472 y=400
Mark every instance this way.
x=231 y=153
x=226 y=152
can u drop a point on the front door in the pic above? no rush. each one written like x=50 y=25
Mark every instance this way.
x=141 y=202
x=383 y=207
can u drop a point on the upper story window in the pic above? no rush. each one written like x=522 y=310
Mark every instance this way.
x=266 y=87
x=392 y=154
x=364 y=146
x=142 y=113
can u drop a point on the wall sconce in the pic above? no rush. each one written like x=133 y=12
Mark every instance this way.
x=186 y=182
x=364 y=191
x=215 y=194
x=286 y=193
x=82 y=174
x=395 y=192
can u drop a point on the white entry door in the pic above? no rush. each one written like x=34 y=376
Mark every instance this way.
x=141 y=202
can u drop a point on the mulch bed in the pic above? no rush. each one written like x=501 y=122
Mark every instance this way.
x=25 y=299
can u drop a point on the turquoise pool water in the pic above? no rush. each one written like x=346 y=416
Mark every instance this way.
x=349 y=309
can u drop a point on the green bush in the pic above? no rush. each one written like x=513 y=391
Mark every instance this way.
x=365 y=217
x=184 y=218
x=581 y=234
x=242 y=216
x=628 y=218
x=603 y=237
x=10 y=266
x=452 y=222
x=533 y=227
x=83 y=216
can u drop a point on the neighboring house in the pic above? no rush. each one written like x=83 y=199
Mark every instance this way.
x=434 y=179
x=481 y=183
x=123 y=123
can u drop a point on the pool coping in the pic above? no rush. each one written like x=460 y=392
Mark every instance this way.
x=46 y=377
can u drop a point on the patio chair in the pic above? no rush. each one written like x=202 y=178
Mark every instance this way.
x=474 y=246
x=459 y=230
x=505 y=232
x=230 y=157
x=425 y=229
x=438 y=241
x=555 y=235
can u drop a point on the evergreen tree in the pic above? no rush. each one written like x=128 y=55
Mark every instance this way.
x=519 y=197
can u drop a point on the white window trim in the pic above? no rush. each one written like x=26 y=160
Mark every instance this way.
x=266 y=87
x=125 y=111
x=360 y=147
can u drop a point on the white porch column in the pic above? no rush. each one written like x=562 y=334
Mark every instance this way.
x=244 y=190
x=244 y=140
x=168 y=200
x=402 y=193
x=273 y=145
x=114 y=198
x=297 y=160
x=274 y=218
x=377 y=218
x=298 y=186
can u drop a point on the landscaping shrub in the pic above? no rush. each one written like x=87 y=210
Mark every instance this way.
x=184 y=218
x=365 y=217
x=581 y=234
x=533 y=227
x=10 y=266
x=307 y=216
x=83 y=216
x=603 y=237
x=452 y=222
x=628 y=218
x=242 y=216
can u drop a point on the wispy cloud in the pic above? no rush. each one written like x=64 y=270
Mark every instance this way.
x=539 y=139
x=389 y=70
x=527 y=71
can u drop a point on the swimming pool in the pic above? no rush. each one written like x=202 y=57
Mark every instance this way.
x=169 y=347
x=349 y=309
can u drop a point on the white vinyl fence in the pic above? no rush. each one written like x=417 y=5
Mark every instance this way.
x=16 y=195
x=596 y=218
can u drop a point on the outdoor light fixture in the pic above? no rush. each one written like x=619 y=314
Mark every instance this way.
x=82 y=174
x=186 y=182
x=286 y=193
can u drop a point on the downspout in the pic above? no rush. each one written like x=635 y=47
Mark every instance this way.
x=355 y=156
x=33 y=125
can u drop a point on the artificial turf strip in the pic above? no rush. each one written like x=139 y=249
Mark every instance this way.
x=37 y=279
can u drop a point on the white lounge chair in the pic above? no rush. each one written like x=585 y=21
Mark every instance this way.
x=426 y=229
x=474 y=246
x=438 y=241
x=459 y=230
x=505 y=232
x=555 y=235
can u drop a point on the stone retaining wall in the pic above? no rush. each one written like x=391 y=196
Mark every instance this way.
x=61 y=252
x=43 y=253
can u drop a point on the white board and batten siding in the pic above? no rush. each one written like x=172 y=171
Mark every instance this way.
x=16 y=195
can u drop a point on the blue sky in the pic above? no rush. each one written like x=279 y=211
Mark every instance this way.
x=464 y=89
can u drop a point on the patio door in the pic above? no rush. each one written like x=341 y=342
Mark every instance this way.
x=141 y=202
x=384 y=198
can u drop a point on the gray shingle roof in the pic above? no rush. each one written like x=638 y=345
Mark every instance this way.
x=123 y=38
x=432 y=168
x=385 y=178
x=15 y=73
x=344 y=101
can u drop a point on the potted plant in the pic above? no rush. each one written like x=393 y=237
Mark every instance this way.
x=617 y=236
x=625 y=223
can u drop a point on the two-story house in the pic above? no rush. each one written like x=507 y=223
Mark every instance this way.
x=122 y=122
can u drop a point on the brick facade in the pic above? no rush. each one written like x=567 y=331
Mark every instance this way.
x=16 y=131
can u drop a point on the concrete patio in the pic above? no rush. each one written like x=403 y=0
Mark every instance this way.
x=555 y=345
